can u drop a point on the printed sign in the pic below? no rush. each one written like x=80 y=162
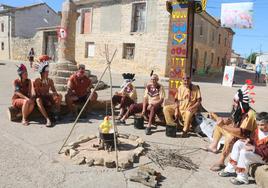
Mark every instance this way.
x=228 y=76
x=62 y=33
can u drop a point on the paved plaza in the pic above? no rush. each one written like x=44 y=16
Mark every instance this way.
x=28 y=155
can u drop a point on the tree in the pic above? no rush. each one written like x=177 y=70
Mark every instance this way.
x=252 y=58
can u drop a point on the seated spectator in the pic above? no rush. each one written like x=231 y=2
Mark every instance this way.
x=22 y=98
x=46 y=101
x=78 y=90
x=127 y=96
x=247 y=152
x=152 y=104
x=187 y=102
x=239 y=126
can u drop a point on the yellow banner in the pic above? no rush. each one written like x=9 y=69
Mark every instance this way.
x=204 y=5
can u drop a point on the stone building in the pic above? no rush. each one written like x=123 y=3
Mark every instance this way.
x=236 y=59
x=18 y=28
x=139 y=30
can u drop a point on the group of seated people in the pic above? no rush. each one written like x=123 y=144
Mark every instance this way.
x=245 y=133
x=186 y=104
x=29 y=93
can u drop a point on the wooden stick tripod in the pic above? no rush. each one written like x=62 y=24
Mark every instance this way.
x=109 y=61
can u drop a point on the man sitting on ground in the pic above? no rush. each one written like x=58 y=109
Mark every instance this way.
x=46 y=101
x=240 y=126
x=152 y=104
x=187 y=102
x=78 y=90
x=247 y=152
x=127 y=96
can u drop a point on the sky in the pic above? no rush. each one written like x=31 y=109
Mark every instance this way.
x=245 y=40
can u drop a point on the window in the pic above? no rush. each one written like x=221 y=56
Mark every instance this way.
x=138 y=17
x=218 y=61
x=2 y=27
x=205 y=60
x=128 y=50
x=86 y=21
x=219 y=39
x=213 y=35
x=90 y=49
x=201 y=28
x=225 y=41
x=212 y=58
x=2 y=46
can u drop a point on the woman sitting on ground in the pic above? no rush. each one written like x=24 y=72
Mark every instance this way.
x=22 y=94
x=127 y=96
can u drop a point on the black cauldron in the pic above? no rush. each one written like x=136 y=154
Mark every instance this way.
x=108 y=139
x=139 y=122
x=171 y=131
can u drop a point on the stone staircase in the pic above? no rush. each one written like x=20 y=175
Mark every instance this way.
x=61 y=72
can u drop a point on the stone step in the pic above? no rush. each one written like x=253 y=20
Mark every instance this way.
x=61 y=87
x=59 y=80
x=61 y=73
x=63 y=66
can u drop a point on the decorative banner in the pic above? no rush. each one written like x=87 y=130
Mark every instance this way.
x=237 y=15
x=228 y=76
x=177 y=51
x=204 y=5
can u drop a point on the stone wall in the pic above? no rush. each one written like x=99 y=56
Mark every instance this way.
x=22 y=46
x=151 y=45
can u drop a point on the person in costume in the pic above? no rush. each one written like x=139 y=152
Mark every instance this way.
x=247 y=152
x=241 y=124
x=46 y=101
x=31 y=57
x=22 y=98
x=187 y=101
x=127 y=96
x=154 y=96
x=79 y=89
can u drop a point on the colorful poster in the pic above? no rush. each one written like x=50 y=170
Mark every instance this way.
x=228 y=76
x=237 y=15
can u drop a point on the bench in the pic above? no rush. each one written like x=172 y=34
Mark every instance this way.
x=14 y=114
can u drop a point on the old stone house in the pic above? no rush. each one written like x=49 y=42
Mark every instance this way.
x=18 y=28
x=139 y=30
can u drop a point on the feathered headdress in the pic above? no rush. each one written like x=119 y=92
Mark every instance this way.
x=43 y=58
x=128 y=77
x=21 y=69
x=245 y=94
x=41 y=66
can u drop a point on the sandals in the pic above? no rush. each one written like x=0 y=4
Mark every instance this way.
x=25 y=122
x=217 y=167
x=207 y=149
x=48 y=124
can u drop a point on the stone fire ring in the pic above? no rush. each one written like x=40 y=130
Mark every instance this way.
x=82 y=152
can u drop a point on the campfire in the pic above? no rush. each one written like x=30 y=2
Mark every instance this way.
x=99 y=151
